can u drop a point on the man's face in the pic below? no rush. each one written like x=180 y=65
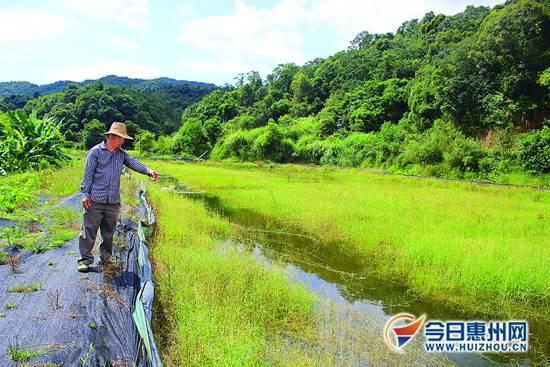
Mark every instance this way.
x=116 y=141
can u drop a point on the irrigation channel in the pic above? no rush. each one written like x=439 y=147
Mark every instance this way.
x=342 y=279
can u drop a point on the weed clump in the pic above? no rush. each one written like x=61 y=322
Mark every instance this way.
x=19 y=352
x=4 y=257
x=12 y=235
x=25 y=288
x=43 y=245
x=85 y=359
x=39 y=247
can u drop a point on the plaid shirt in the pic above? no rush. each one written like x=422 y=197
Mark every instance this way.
x=101 y=180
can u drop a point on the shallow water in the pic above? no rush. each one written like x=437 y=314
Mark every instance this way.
x=335 y=274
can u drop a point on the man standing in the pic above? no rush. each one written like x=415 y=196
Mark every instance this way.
x=101 y=193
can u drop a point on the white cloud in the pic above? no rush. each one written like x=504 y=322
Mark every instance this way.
x=133 y=13
x=282 y=33
x=219 y=70
x=202 y=66
x=31 y=24
x=250 y=36
x=121 y=42
x=353 y=16
x=104 y=67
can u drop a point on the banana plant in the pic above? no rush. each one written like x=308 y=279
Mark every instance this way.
x=27 y=141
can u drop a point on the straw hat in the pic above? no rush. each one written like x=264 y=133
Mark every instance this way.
x=118 y=128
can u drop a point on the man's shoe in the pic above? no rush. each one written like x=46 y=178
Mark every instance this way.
x=83 y=267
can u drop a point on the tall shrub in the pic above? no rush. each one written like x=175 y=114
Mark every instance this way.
x=534 y=151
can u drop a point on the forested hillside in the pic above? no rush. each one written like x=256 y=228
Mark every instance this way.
x=89 y=109
x=465 y=95
x=444 y=95
x=85 y=109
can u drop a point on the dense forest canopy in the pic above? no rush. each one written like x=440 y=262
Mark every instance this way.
x=153 y=107
x=446 y=92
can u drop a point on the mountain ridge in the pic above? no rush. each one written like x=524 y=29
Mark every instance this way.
x=30 y=89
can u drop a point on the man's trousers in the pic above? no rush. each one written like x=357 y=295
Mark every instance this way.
x=104 y=217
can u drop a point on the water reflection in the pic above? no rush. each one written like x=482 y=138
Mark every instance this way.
x=334 y=273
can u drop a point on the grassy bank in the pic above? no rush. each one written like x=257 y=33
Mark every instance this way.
x=31 y=199
x=219 y=307
x=20 y=192
x=476 y=246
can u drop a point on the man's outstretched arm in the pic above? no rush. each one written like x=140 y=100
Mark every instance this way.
x=137 y=166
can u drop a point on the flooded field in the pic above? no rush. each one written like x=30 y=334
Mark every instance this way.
x=342 y=279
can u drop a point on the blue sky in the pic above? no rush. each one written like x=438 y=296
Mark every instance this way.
x=43 y=41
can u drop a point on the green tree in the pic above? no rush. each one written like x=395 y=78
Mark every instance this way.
x=91 y=134
x=271 y=144
x=419 y=99
x=13 y=102
x=192 y=138
x=301 y=87
x=503 y=60
x=280 y=79
x=370 y=105
x=145 y=141
x=157 y=111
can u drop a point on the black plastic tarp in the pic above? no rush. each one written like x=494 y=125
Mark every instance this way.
x=76 y=319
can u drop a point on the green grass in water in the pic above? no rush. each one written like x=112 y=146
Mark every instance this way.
x=472 y=245
x=220 y=307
